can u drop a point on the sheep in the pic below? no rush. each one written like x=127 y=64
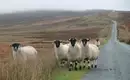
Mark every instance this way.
x=94 y=50
x=91 y=53
x=61 y=52
x=74 y=53
x=84 y=50
x=94 y=41
x=25 y=52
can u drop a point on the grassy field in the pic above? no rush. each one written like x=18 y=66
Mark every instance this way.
x=40 y=34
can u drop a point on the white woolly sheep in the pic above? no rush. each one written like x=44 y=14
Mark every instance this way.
x=24 y=52
x=61 y=52
x=74 y=53
x=92 y=53
x=84 y=50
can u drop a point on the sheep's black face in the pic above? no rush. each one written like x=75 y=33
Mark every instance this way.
x=73 y=41
x=57 y=43
x=15 y=46
x=97 y=39
x=84 y=41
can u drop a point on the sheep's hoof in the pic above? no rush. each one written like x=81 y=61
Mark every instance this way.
x=95 y=66
x=88 y=67
x=91 y=66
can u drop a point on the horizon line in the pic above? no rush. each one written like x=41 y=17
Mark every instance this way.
x=22 y=11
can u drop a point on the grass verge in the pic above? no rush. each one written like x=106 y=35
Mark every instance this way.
x=64 y=74
x=105 y=41
x=17 y=70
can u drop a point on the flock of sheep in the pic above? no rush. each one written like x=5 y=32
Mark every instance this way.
x=75 y=54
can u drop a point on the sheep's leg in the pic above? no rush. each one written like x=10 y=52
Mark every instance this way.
x=70 y=65
x=80 y=64
x=14 y=55
x=76 y=65
x=89 y=64
x=95 y=63
x=63 y=62
x=60 y=63
x=25 y=57
x=85 y=62
x=92 y=64
x=57 y=60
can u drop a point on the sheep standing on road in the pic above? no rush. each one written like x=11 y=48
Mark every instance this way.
x=84 y=50
x=74 y=53
x=91 y=53
x=24 y=52
x=61 y=52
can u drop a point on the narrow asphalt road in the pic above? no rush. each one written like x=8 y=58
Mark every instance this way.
x=113 y=62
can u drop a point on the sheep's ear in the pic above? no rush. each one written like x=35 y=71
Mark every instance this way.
x=61 y=41
x=10 y=45
x=20 y=45
x=53 y=41
x=75 y=38
x=69 y=39
x=88 y=39
x=80 y=40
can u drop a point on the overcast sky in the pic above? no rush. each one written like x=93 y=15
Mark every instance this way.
x=20 y=5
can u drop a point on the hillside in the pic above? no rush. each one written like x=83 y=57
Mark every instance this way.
x=32 y=16
x=124 y=26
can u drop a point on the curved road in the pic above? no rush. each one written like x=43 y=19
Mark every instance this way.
x=113 y=62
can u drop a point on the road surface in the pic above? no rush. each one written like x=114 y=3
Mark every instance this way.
x=113 y=62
